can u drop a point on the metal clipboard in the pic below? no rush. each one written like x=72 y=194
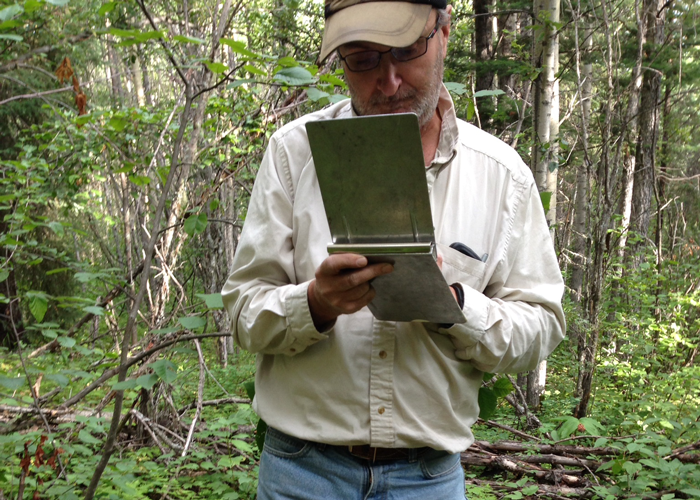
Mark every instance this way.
x=372 y=179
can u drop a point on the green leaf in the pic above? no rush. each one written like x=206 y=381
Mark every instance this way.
x=260 y=432
x=546 y=198
x=666 y=424
x=568 y=427
x=38 y=305
x=294 y=76
x=216 y=67
x=592 y=426
x=471 y=110
x=14 y=38
x=188 y=39
x=58 y=3
x=140 y=180
x=86 y=277
x=195 y=224
x=333 y=98
x=691 y=491
x=192 y=322
x=238 y=47
x=502 y=387
x=118 y=123
x=126 y=384
x=315 y=94
x=87 y=438
x=228 y=462
x=487 y=403
x=82 y=120
x=4 y=274
x=7 y=197
x=108 y=7
x=212 y=300
x=165 y=369
x=66 y=342
x=96 y=310
x=148 y=35
x=60 y=379
x=32 y=5
x=10 y=12
x=242 y=445
x=147 y=381
x=456 y=88
x=56 y=227
x=530 y=490
x=249 y=387
x=254 y=70
x=12 y=383
x=287 y=62
x=488 y=93
x=238 y=83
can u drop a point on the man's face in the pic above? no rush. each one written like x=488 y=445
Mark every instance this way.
x=400 y=87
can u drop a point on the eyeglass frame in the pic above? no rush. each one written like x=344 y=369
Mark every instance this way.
x=392 y=49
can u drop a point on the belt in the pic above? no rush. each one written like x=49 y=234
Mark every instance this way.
x=373 y=454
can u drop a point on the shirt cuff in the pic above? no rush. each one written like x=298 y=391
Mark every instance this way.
x=300 y=325
x=467 y=335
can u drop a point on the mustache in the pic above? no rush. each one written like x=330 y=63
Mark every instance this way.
x=383 y=100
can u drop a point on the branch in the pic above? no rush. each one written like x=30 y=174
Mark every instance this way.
x=43 y=50
x=132 y=361
x=165 y=47
x=113 y=293
x=200 y=396
x=521 y=434
x=215 y=402
x=35 y=94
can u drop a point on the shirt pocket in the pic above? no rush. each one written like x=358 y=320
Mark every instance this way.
x=460 y=268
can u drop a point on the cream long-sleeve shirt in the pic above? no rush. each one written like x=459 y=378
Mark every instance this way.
x=385 y=383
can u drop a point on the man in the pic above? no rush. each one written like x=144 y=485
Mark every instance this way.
x=366 y=409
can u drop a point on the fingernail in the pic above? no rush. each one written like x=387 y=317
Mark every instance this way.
x=387 y=268
x=362 y=261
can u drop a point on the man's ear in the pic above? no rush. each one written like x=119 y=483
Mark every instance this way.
x=446 y=31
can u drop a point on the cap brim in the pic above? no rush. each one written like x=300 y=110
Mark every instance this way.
x=395 y=24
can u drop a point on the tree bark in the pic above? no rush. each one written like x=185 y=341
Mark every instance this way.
x=645 y=156
x=545 y=148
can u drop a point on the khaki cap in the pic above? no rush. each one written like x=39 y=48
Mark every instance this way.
x=392 y=23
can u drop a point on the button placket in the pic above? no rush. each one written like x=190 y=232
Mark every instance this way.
x=381 y=385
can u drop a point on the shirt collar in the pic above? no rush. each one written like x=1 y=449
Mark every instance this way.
x=449 y=132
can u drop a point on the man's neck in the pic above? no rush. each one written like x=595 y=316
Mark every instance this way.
x=430 y=137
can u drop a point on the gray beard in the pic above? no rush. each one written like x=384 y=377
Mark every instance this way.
x=422 y=102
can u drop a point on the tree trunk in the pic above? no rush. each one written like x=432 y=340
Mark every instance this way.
x=545 y=148
x=645 y=156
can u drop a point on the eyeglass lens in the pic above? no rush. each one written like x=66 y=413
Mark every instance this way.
x=369 y=59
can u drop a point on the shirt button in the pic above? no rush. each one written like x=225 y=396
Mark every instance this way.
x=382 y=354
x=381 y=410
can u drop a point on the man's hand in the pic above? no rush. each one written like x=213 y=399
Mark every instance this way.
x=342 y=286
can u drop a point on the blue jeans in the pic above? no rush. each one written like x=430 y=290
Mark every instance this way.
x=295 y=469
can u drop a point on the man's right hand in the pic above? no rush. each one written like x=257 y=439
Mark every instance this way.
x=342 y=287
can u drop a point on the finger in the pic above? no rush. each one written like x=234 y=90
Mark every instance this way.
x=351 y=306
x=439 y=261
x=337 y=263
x=353 y=279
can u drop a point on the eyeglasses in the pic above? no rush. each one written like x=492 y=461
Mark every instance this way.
x=369 y=59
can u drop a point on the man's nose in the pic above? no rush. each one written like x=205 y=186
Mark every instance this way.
x=389 y=79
